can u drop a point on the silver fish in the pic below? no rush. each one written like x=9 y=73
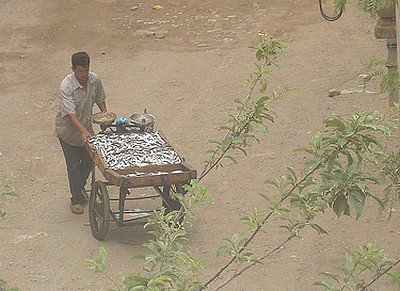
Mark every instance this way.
x=134 y=149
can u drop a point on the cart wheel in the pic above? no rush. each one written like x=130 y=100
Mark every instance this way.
x=99 y=210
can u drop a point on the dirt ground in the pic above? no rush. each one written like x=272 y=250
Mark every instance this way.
x=185 y=63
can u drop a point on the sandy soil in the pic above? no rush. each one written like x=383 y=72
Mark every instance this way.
x=186 y=64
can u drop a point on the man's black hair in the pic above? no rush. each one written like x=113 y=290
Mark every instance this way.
x=80 y=59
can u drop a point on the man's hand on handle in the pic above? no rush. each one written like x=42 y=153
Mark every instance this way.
x=85 y=136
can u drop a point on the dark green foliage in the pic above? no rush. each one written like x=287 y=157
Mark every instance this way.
x=369 y=6
x=252 y=114
x=97 y=265
x=389 y=82
x=391 y=172
x=336 y=176
x=5 y=287
x=358 y=268
x=7 y=191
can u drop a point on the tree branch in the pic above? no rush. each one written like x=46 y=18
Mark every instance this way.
x=208 y=166
x=380 y=275
x=254 y=263
x=255 y=232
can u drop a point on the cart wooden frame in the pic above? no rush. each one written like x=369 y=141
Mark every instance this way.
x=171 y=179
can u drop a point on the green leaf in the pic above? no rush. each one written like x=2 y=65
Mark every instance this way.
x=214 y=141
x=90 y=264
x=347 y=210
x=232 y=159
x=262 y=128
x=317 y=139
x=272 y=182
x=242 y=150
x=159 y=282
x=135 y=281
x=256 y=46
x=321 y=203
x=336 y=123
x=377 y=199
x=330 y=275
x=306 y=149
x=341 y=141
x=239 y=101
x=350 y=160
x=223 y=250
x=259 y=54
x=292 y=171
x=374 y=140
x=356 y=201
x=210 y=151
x=139 y=256
x=263 y=87
x=224 y=127
x=102 y=254
x=319 y=229
x=9 y=191
x=325 y=284
x=262 y=99
x=265 y=197
x=339 y=205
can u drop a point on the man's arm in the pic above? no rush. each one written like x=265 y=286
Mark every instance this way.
x=102 y=106
x=75 y=122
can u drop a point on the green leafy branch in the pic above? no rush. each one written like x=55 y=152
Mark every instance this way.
x=335 y=178
x=6 y=191
x=376 y=69
x=5 y=287
x=338 y=157
x=360 y=264
x=99 y=266
x=340 y=184
x=255 y=262
x=252 y=112
x=391 y=170
x=169 y=265
x=369 y=6
x=373 y=6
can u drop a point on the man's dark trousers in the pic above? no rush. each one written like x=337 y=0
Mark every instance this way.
x=79 y=167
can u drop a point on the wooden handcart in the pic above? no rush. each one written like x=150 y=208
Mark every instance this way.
x=164 y=178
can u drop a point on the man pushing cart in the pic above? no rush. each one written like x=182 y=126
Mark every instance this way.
x=127 y=152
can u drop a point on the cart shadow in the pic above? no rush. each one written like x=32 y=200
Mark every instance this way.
x=131 y=234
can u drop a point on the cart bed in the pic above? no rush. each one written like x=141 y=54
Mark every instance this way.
x=152 y=175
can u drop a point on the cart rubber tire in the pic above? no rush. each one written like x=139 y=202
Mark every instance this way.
x=99 y=210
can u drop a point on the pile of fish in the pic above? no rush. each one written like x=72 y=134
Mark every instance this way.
x=121 y=151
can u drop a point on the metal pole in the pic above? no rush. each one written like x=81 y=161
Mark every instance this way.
x=392 y=69
x=395 y=98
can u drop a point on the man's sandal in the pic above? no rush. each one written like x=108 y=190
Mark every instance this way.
x=77 y=208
